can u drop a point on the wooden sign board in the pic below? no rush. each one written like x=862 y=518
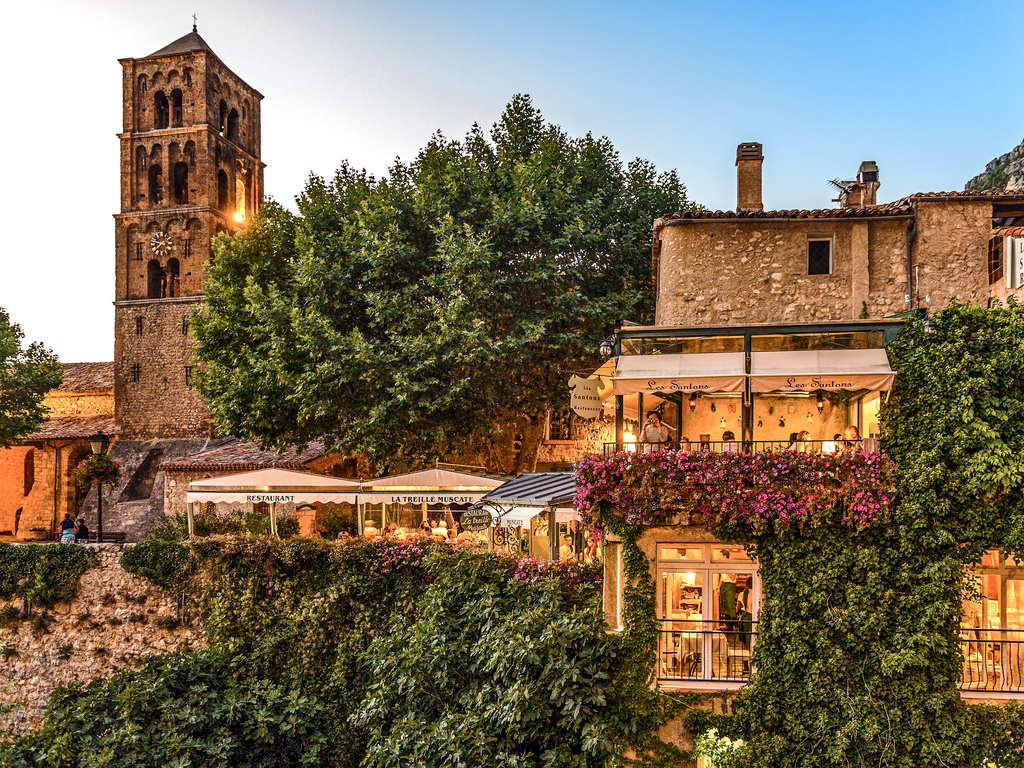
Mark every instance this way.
x=475 y=520
x=584 y=398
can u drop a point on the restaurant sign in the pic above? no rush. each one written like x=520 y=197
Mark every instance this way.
x=584 y=398
x=429 y=498
x=279 y=497
x=476 y=520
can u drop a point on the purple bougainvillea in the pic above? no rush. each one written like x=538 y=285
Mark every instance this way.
x=776 y=490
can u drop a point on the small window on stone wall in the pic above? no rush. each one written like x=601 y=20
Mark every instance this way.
x=138 y=251
x=184 y=326
x=995 y=260
x=188 y=375
x=136 y=373
x=138 y=326
x=819 y=257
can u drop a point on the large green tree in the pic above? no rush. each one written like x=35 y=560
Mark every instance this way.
x=433 y=312
x=26 y=375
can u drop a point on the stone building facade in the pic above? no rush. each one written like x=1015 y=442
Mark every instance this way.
x=37 y=476
x=860 y=260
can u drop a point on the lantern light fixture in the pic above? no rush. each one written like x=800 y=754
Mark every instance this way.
x=930 y=328
x=607 y=347
x=693 y=402
x=99 y=444
x=820 y=402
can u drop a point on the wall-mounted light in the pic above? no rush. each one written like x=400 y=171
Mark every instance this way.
x=820 y=402
x=693 y=402
x=930 y=328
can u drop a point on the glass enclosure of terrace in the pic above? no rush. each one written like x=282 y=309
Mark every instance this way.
x=768 y=387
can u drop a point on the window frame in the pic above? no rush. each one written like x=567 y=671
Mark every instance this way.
x=821 y=238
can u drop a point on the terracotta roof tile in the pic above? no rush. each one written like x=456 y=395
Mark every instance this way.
x=240 y=454
x=67 y=427
x=1008 y=231
x=87 y=376
x=901 y=207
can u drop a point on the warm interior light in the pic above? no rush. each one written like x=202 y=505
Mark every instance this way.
x=629 y=437
x=239 y=217
x=693 y=402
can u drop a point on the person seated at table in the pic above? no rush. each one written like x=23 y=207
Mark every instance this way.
x=425 y=529
x=851 y=438
x=729 y=444
x=801 y=445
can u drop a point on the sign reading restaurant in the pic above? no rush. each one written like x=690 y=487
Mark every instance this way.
x=281 y=497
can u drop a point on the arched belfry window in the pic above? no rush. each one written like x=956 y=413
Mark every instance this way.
x=222 y=190
x=181 y=183
x=161 y=111
x=143 y=83
x=154 y=280
x=173 y=279
x=156 y=184
x=176 y=108
x=223 y=116
x=233 y=126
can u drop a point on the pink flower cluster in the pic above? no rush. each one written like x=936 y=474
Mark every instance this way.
x=759 y=490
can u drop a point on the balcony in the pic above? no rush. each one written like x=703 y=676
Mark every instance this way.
x=746 y=446
x=705 y=652
x=719 y=652
x=993 y=661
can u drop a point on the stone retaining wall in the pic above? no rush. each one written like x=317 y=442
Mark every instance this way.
x=114 y=621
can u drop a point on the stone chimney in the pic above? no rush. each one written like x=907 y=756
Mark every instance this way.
x=860 y=192
x=748 y=177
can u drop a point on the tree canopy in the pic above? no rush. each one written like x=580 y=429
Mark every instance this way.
x=26 y=375
x=429 y=313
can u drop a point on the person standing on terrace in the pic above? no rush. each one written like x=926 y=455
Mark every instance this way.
x=654 y=433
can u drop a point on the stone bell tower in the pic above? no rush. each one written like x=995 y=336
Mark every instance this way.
x=190 y=169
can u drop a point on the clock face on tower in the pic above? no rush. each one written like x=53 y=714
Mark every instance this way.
x=160 y=244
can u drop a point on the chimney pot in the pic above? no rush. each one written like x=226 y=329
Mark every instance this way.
x=748 y=177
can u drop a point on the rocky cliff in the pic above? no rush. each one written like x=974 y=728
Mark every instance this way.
x=1004 y=172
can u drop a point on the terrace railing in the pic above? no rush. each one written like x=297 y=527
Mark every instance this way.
x=745 y=446
x=993 y=660
x=705 y=651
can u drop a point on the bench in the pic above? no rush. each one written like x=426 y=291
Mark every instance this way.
x=109 y=537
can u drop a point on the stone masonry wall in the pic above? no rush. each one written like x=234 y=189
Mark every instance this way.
x=114 y=621
x=163 y=403
x=743 y=271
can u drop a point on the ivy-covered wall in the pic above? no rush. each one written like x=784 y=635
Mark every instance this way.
x=863 y=562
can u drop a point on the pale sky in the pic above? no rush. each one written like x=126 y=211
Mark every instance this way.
x=926 y=89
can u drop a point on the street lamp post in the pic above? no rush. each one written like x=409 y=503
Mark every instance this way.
x=99 y=443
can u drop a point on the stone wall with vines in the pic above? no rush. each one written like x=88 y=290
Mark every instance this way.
x=863 y=561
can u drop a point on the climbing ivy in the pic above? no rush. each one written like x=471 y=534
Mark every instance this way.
x=42 y=574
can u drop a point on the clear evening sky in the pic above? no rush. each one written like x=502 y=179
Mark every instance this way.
x=929 y=90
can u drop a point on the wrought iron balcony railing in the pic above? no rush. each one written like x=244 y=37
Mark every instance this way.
x=993 y=660
x=705 y=651
x=746 y=446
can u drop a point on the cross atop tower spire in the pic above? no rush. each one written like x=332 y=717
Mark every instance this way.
x=194 y=20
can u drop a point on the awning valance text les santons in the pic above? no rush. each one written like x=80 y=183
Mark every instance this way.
x=828 y=369
x=698 y=372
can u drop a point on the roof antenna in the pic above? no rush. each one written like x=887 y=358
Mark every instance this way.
x=194 y=20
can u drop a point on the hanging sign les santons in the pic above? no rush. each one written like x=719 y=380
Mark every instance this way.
x=584 y=399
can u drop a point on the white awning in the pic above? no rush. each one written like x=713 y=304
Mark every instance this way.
x=521 y=516
x=698 y=372
x=433 y=497
x=272 y=485
x=827 y=369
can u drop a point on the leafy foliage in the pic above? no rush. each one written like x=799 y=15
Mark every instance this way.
x=492 y=672
x=213 y=523
x=42 y=574
x=183 y=709
x=428 y=313
x=26 y=376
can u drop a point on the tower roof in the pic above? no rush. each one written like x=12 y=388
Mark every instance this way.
x=190 y=43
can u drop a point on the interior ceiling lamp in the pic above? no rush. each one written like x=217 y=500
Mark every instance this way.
x=820 y=402
x=607 y=347
x=693 y=402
